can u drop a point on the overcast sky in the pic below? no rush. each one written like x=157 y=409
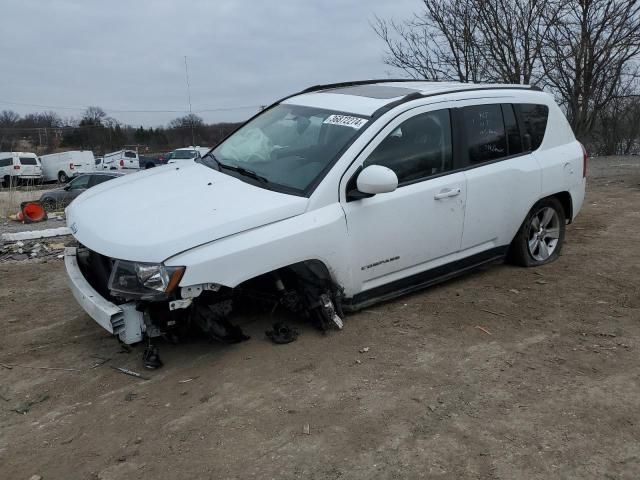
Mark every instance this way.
x=129 y=55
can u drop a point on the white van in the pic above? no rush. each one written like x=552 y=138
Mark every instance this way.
x=63 y=166
x=121 y=160
x=328 y=201
x=19 y=167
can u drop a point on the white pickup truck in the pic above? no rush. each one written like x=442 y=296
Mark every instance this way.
x=120 y=160
x=330 y=200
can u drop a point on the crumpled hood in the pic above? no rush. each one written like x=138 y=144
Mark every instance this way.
x=152 y=215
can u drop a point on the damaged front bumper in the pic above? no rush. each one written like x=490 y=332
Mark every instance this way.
x=123 y=320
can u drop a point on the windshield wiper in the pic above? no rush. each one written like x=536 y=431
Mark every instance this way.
x=243 y=171
x=210 y=155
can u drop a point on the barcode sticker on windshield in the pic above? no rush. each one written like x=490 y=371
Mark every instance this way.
x=346 y=121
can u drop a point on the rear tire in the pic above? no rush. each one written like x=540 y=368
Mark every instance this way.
x=62 y=177
x=540 y=237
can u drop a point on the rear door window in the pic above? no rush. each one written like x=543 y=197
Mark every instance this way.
x=486 y=136
x=534 y=122
x=98 y=179
x=130 y=154
x=28 y=161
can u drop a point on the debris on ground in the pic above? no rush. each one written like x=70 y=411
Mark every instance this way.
x=306 y=429
x=35 y=234
x=364 y=350
x=26 y=249
x=24 y=407
x=126 y=371
x=282 y=333
x=483 y=329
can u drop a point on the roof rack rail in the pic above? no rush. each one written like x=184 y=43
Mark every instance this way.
x=356 y=83
x=417 y=95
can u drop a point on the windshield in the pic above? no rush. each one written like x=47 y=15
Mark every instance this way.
x=288 y=145
x=184 y=154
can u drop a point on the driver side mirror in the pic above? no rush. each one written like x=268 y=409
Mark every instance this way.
x=67 y=186
x=376 y=179
x=370 y=181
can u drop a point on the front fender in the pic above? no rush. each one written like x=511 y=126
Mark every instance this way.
x=316 y=235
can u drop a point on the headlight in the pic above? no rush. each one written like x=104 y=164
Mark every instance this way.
x=143 y=280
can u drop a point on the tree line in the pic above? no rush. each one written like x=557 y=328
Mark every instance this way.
x=47 y=132
x=584 y=52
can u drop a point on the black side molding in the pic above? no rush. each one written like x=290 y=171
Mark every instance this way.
x=423 y=279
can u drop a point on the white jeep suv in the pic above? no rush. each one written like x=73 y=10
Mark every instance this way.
x=329 y=200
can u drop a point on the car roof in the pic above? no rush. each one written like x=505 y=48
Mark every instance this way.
x=370 y=96
x=110 y=173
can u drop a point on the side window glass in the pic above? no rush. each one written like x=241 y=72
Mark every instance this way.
x=98 y=179
x=514 y=140
x=485 y=133
x=5 y=162
x=418 y=148
x=534 y=119
x=130 y=154
x=80 y=182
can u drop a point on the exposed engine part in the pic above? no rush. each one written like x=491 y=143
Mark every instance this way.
x=212 y=320
x=151 y=357
x=179 y=304
x=194 y=291
x=329 y=311
x=282 y=333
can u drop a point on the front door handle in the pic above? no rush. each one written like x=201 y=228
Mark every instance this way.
x=446 y=193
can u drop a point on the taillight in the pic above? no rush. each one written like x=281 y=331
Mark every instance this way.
x=16 y=167
x=585 y=161
x=121 y=163
x=71 y=166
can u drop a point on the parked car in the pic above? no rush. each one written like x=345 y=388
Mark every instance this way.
x=61 y=197
x=183 y=154
x=150 y=161
x=328 y=201
x=120 y=160
x=65 y=165
x=19 y=167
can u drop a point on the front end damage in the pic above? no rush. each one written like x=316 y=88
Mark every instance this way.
x=139 y=302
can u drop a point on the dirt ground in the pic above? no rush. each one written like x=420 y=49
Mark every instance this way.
x=548 y=388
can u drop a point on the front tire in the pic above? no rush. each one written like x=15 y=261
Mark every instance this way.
x=540 y=237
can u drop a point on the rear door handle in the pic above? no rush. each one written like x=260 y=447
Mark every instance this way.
x=446 y=193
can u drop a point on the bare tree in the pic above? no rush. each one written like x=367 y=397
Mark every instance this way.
x=438 y=44
x=590 y=57
x=583 y=51
x=93 y=116
x=471 y=40
x=8 y=118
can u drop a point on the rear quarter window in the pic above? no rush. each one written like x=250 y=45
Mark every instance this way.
x=534 y=122
x=28 y=161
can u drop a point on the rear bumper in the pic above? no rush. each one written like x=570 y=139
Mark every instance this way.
x=122 y=320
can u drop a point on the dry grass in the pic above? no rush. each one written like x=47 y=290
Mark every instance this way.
x=11 y=198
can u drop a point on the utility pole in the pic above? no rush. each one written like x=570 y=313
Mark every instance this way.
x=186 y=71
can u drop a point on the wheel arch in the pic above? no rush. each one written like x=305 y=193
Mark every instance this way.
x=567 y=204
